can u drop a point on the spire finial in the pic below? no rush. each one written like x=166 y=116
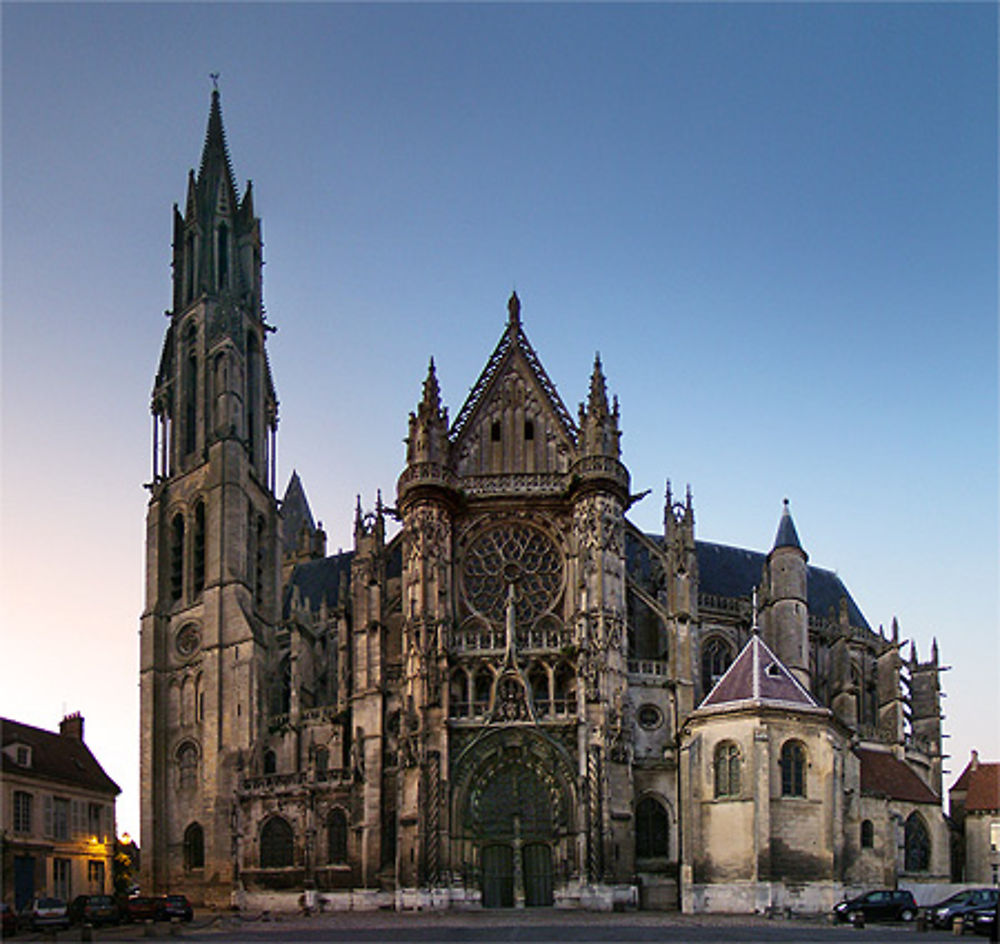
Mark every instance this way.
x=513 y=309
x=753 y=627
x=214 y=76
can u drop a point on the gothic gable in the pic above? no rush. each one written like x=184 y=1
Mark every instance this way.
x=514 y=421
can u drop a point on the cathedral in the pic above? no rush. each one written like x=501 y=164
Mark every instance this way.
x=504 y=694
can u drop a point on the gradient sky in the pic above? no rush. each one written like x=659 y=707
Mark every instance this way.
x=777 y=223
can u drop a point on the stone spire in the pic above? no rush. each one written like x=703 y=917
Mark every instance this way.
x=215 y=162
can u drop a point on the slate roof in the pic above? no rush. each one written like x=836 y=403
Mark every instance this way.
x=883 y=774
x=295 y=512
x=318 y=581
x=55 y=757
x=734 y=571
x=758 y=677
x=981 y=781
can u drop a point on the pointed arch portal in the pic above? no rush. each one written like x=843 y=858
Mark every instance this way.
x=515 y=806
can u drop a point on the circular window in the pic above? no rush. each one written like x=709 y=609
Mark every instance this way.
x=649 y=717
x=515 y=556
x=188 y=639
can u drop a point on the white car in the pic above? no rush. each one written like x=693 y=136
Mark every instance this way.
x=46 y=913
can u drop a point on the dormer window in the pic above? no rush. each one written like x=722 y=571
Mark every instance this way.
x=22 y=755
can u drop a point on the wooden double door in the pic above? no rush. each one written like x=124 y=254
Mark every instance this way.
x=500 y=875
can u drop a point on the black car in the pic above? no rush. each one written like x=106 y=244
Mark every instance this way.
x=982 y=920
x=881 y=905
x=175 y=906
x=94 y=909
x=944 y=913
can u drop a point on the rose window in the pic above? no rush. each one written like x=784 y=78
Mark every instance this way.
x=516 y=555
x=188 y=640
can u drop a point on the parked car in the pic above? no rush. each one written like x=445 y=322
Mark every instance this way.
x=142 y=908
x=982 y=921
x=9 y=920
x=881 y=905
x=94 y=909
x=943 y=914
x=176 y=906
x=44 y=913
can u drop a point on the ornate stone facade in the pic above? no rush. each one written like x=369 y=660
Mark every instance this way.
x=498 y=696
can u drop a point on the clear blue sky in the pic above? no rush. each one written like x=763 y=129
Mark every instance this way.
x=778 y=224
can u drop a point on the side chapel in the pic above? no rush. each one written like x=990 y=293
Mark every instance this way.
x=505 y=694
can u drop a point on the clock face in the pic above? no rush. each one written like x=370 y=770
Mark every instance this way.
x=517 y=555
x=188 y=640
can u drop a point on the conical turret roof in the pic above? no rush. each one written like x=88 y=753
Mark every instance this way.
x=787 y=536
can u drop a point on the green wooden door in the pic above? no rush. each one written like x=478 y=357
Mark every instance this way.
x=537 y=874
x=498 y=876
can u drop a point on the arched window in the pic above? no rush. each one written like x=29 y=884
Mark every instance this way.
x=199 y=699
x=261 y=559
x=194 y=847
x=187 y=765
x=867 y=834
x=277 y=844
x=483 y=688
x=281 y=688
x=198 y=548
x=538 y=680
x=189 y=387
x=564 y=686
x=253 y=392
x=458 y=694
x=270 y=762
x=652 y=829
x=727 y=770
x=716 y=655
x=191 y=266
x=793 y=769
x=918 y=844
x=336 y=837
x=176 y=556
x=223 y=244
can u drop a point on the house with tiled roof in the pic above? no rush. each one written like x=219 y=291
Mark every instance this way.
x=59 y=811
x=974 y=805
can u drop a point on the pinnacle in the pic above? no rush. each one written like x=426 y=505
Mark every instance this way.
x=598 y=400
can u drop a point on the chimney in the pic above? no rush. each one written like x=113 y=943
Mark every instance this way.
x=974 y=763
x=72 y=726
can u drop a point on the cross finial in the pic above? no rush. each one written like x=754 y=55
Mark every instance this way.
x=214 y=76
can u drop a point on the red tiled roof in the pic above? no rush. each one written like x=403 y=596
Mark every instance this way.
x=882 y=774
x=984 y=788
x=55 y=757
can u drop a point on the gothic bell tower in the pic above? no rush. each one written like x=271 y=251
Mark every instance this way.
x=212 y=558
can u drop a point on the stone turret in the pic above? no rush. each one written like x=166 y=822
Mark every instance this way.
x=786 y=626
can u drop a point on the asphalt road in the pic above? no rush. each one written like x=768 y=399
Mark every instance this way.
x=536 y=925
